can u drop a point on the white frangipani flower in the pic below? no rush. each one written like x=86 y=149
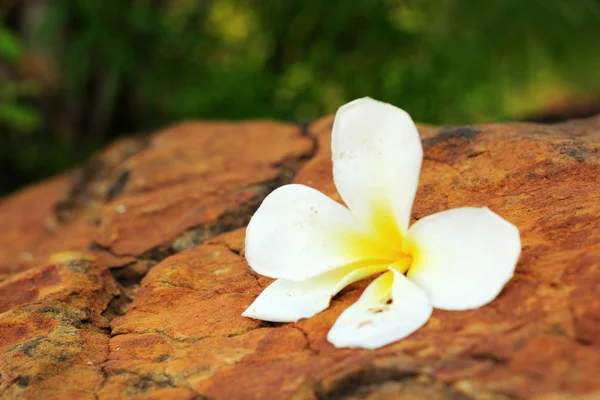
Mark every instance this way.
x=454 y=260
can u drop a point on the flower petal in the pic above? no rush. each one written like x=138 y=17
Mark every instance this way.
x=373 y=321
x=289 y=301
x=463 y=257
x=377 y=156
x=298 y=233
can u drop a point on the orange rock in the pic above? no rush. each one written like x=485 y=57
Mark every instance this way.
x=128 y=281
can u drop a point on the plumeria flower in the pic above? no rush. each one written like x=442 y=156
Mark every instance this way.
x=458 y=259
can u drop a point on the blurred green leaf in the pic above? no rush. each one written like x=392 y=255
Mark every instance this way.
x=11 y=48
x=19 y=117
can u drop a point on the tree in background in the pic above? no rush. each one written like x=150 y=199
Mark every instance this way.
x=76 y=73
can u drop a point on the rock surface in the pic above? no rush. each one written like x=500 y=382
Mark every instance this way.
x=126 y=279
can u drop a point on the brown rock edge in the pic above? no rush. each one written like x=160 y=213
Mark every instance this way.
x=126 y=279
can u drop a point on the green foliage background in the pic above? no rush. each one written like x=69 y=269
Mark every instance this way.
x=76 y=73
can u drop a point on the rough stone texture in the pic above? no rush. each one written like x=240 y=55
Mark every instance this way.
x=126 y=279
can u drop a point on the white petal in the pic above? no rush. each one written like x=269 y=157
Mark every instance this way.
x=289 y=301
x=371 y=322
x=462 y=258
x=298 y=232
x=377 y=156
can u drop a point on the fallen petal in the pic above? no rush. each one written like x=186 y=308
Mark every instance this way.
x=377 y=156
x=390 y=309
x=290 y=301
x=463 y=257
x=298 y=233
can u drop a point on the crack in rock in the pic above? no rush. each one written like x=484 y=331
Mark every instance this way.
x=98 y=181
